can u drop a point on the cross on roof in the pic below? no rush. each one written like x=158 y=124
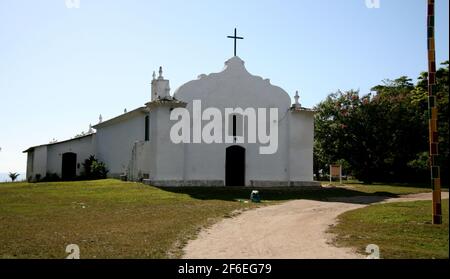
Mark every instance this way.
x=235 y=38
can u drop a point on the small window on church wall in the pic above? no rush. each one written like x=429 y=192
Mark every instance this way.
x=147 y=128
x=235 y=127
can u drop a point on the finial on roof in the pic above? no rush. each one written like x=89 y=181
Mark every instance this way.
x=100 y=118
x=160 y=72
x=90 y=131
x=296 y=97
x=154 y=75
x=125 y=110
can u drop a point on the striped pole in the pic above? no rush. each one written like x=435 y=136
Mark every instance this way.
x=433 y=118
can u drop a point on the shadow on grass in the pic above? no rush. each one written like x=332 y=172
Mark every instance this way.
x=279 y=194
x=394 y=184
x=407 y=184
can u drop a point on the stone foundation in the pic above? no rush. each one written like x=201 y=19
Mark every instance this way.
x=269 y=183
x=221 y=183
x=184 y=183
x=305 y=184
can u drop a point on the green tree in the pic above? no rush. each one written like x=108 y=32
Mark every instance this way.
x=421 y=97
x=405 y=135
x=344 y=131
x=383 y=136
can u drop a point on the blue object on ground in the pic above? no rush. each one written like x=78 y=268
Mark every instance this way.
x=254 y=196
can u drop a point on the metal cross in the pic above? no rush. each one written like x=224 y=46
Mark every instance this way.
x=235 y=38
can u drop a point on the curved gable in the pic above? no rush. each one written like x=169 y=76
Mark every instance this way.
x=234 y=86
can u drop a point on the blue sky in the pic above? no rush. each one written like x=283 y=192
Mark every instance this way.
x=60 y=68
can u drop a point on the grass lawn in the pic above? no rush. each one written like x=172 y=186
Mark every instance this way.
x=115 y=219
x=401 y=230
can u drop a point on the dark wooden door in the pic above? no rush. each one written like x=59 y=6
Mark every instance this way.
x=69 y=166
x=235 y=166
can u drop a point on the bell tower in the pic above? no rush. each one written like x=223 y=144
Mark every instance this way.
x=160 y=86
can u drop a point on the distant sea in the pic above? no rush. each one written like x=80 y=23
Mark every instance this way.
x=4 y=177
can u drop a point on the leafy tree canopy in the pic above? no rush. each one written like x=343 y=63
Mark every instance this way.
x=383 y=135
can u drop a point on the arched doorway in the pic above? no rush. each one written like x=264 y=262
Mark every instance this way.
x=69 y=166
x=235 y=166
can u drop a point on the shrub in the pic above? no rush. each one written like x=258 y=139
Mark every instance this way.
x=51 y=177
x=87 y=166
x=98 y=170
x=94 y=169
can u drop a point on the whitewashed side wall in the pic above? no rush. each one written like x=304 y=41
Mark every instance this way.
x=83 y=147
x=30 y=159
x=114 y=143
x=39 y=162
x=301 y=143
x=166 y=160
x=139 y=166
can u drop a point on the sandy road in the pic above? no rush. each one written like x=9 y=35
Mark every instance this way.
x=294 y=229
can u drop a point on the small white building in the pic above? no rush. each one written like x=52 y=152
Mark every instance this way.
x=140 y=143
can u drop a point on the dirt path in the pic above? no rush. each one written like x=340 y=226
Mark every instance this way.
x=294 y=229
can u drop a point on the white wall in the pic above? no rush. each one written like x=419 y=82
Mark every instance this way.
x=115 y=142
x=166 y=159
x=39 y=165
x=83 y=147
x=139 y=166
x=301 y=144
x=30 y=162
x=235 y=87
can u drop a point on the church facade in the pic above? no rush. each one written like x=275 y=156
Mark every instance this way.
x=229 y=128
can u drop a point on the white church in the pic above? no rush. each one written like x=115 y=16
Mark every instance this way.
x=140 y=145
